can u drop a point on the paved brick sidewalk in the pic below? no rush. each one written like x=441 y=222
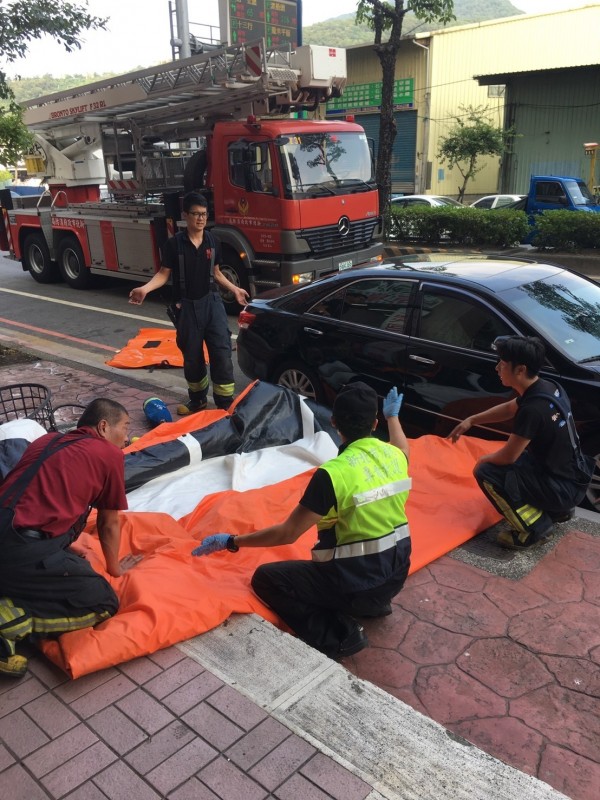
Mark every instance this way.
x=153 y=728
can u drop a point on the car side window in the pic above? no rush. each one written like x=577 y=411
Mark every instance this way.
x=487 y=203
x=460 y=322
x=380 y=304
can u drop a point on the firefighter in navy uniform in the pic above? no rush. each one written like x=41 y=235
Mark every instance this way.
x=201 y=313
x=540 y=474
x=362 y=557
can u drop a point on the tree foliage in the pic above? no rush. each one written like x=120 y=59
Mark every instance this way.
x=472 y=136
x=21 y=22
x=383 y=17
x=15 y=139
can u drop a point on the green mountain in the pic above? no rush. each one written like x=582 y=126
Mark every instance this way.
x=343 y=32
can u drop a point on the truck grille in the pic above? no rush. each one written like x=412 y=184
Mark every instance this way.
x=328 y=239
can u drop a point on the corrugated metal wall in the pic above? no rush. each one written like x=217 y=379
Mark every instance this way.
x=403 y=157
x=554 y=115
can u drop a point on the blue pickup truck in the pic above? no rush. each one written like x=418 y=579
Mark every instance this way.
x=555 y=193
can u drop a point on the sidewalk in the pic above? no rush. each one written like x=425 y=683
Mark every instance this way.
x=492 y=649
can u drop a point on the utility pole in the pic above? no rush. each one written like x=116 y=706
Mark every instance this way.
x=181 y=43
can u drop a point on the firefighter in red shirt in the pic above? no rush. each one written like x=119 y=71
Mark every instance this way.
x=46 y=588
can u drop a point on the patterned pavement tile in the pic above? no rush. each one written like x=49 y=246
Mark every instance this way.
x=506 y=738
x=227 y=781
x=449 y=695
x=504 y=666
x=571 y=774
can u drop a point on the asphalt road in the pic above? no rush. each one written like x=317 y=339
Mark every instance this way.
x=86 y=326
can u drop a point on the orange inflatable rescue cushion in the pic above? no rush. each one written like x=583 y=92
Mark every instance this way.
x=171 y=595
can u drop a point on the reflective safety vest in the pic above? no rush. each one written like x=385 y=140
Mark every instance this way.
x=371 y=483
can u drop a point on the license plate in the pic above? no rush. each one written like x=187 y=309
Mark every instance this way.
x=344 y=265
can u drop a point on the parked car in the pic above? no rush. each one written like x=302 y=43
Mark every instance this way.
x=412 y=200
x=427 y=327
x=497 y=200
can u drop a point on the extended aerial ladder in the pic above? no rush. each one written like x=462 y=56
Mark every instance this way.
x=136 y=131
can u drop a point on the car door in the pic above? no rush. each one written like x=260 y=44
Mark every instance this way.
x=450 y=361
x=358 y=333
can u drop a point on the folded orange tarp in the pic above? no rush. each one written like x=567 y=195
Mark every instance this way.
x=152 y=347
x=171 y=595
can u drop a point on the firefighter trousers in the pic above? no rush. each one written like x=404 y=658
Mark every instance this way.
x=203 y=321
x=311 y=603
x=47 y=589
x=526 y=495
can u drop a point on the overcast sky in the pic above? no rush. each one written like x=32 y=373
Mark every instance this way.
x=138 y=34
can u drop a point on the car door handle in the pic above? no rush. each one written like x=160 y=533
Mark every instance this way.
x=421 y=360
x=314 y=330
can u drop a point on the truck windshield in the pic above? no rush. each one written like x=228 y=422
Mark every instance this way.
x=580 y=193
x=565 y=309
x=326 y=163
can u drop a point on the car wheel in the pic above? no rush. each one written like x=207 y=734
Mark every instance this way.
x=300 y=379
x=72 y=264
x=36 y=258
x=232 y=268
x=592 y=498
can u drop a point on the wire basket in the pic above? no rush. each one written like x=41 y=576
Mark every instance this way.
x=27 y=401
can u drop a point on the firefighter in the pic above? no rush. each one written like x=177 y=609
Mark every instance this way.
x=540 y=474
x=45 y=587
x=199 y=310
x=362 y=556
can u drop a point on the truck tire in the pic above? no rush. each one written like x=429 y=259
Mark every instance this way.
x=36 y=259
x=299 y=378
x=72 y=264
x=232 y=268
x=194 y=173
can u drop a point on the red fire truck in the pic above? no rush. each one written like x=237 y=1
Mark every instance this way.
x=291 y=199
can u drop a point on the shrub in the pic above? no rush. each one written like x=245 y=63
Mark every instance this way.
x=566 y=230
x=463 y=226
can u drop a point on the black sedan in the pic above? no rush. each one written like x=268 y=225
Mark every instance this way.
x=427 y=328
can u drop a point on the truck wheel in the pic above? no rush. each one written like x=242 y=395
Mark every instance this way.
x=299 y=378
x=194 y=173
x=72 y=264
x=233 y=269
x=36 y=258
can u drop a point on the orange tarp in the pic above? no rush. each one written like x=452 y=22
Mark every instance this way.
x=152 y=347
x=171 y=595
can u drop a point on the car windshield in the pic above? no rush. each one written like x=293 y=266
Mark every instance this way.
x=580 y=193
x=446 y=201
x=327 y=163
x=565 y=310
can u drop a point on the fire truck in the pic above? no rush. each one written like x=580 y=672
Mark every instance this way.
x=290 y=198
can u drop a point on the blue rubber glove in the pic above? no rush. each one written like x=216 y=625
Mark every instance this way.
x=212 y=544
x=392 y=403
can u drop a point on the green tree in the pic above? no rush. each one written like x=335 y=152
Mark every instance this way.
x=472 y=137
x=21 y=22
x=382 y=17
x=15 y=139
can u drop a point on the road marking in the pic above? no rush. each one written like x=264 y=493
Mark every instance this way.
x=87 y=308
x=55 y=334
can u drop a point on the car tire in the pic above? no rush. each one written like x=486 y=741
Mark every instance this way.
x=72 y=264
x=37 y=260
x=232 y=268
x=592 y=497
x=299 y=378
